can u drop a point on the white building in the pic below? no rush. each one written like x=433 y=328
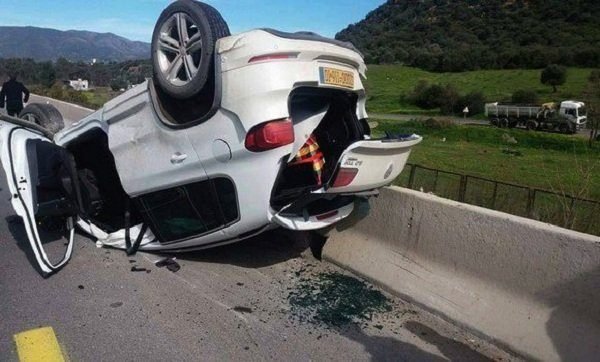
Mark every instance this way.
x=79 y=84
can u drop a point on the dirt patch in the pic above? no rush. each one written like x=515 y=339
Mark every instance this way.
x=336 y=299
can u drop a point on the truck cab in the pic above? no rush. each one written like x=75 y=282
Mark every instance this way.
x=575 y=112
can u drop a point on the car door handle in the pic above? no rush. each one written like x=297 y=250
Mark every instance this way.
x=178 y=158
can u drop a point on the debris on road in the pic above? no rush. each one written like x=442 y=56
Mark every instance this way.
x=170 y=263
x=244 y=310
x=136 y=269
x=336 y=299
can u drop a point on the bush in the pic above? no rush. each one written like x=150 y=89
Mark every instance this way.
x=432 y=123
x=474 y=100
x=427 y=96
x=594 y=76
x=449 y=100
x=525 y=96
x=118 y=83
x=446 y=98
x=56 y=91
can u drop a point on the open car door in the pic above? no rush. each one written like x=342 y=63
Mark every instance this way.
x=42 y=179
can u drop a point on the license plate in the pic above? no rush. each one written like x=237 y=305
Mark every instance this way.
x=340 y=78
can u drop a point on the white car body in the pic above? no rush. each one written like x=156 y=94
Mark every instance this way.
x=256 y=73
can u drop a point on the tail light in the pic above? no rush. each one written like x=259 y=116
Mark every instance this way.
x=327 y=215
x=270 y=135
x=345 y=176
x=275 y=56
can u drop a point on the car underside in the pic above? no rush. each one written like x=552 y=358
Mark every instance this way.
x=221 y=145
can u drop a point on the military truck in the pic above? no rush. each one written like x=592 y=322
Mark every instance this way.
x=565 y=117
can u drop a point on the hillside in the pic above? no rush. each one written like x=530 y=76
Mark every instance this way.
x=458 y=35
x=50 y=44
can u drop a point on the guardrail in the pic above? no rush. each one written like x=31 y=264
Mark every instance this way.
x=560 y=209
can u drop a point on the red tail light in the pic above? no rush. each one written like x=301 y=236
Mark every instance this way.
x=345 y=176
x=327 y=215
x=270 y=135
x=276 y=56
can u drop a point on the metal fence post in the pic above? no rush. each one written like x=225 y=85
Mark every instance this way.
x=411 y=178
x=462 y=188
x=530 y=203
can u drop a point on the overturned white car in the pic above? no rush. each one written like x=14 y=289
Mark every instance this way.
x=234 y=135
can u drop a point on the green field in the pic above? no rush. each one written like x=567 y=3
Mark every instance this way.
x=97 y=97
x=388 y=85
x=554 y=162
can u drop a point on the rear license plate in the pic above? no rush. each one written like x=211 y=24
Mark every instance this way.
x=340 y=78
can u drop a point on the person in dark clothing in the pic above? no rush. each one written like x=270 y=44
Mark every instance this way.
x=14 y=93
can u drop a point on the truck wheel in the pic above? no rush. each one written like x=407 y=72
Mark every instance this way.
x=504 y=123
x=564 y=128
x=531 y=125
x=45 y=115
x=494 y=122
x=183 y=47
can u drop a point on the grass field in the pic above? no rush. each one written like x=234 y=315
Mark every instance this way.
x=388 y=85
x=553 y=162
x=97 y=97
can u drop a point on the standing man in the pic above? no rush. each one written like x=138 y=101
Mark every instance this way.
x=15 y=93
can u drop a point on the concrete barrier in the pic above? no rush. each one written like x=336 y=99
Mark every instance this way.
x=530 y=286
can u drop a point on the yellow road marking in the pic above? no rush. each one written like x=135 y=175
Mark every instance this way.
x=38 y=345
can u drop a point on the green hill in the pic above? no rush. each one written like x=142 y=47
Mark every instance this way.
x=389 y=85
x=458 y=35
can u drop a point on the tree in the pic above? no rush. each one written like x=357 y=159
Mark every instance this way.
x=119 y=83
x=46 y=75
x=554 y=75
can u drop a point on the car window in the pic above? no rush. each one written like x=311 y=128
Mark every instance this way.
x=191 y=210
x=227 y=199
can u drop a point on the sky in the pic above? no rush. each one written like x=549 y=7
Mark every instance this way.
x=135 y=19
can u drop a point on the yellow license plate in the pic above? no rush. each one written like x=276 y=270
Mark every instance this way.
x=337 y=77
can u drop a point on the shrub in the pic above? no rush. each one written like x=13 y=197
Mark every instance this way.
x=449 y=100
x=525 y=96
x=432 y=123
x=427 y=96
x=474 y=100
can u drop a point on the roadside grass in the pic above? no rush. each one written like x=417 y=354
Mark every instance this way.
x=97 y=97
x=389 y=85
x=554 y=162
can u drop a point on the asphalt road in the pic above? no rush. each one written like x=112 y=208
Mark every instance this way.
x=229 y=303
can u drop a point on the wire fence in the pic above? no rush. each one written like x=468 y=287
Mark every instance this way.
x=555 y=208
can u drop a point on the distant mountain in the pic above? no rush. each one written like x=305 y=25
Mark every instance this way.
x=74 y=45
x=456 y=35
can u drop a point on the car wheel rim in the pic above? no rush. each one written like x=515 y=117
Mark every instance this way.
x=179 y=49
x=31 y=118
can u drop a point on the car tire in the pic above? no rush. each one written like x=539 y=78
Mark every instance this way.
x=183 y=47
x=564 y=128
x=44 y=115
x=316 y=243
x=531 y=125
